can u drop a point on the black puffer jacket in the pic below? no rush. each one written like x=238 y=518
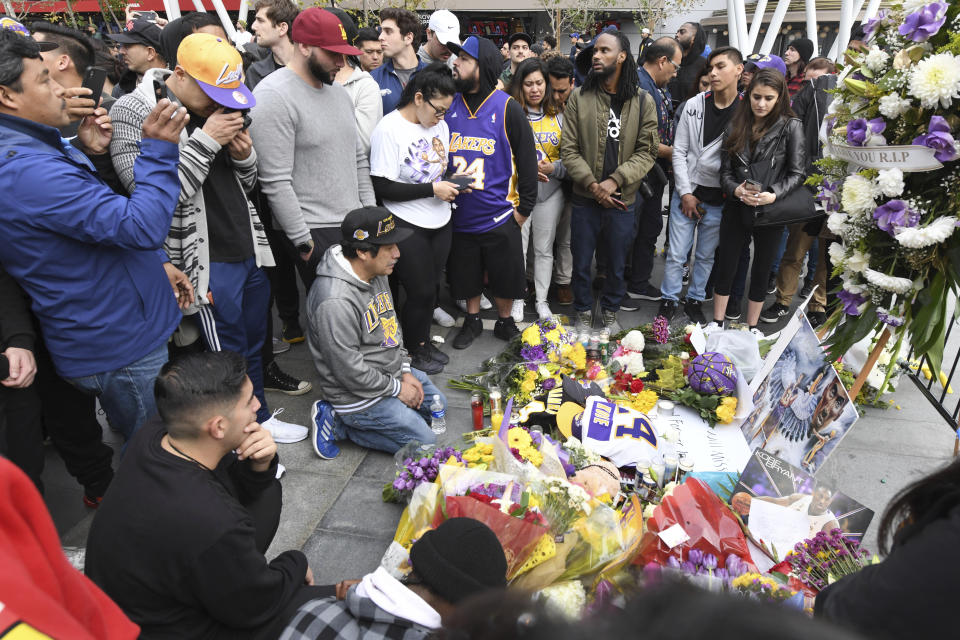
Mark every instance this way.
x=810 y=104
x=789 y=157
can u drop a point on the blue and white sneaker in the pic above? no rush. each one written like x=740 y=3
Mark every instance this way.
x=322 y=430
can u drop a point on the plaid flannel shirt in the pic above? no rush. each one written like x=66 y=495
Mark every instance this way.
x=352 y=619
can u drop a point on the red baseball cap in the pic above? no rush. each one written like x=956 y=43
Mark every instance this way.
x=319 y=28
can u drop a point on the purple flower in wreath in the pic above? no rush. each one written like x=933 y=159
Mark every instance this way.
x=871 y=25
x=533 y=356
x=889 y=319
x=894 y=215
x=661 y=329
x=925 y=22
x=939 y=138
x=828 y=196
x=861 y=131
x=851 y=302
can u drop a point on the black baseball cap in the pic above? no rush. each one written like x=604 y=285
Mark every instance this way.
x=139 y=32
x=520 y=36
x=375 y=225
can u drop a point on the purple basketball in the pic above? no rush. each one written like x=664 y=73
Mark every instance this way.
x=712 y=372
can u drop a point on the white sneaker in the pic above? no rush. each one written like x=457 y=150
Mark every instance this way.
x=443 y=318
x=517 y=312
x=280 y=470
x=543 y=311
x=484 y=304
x=759 y=334
x=284 y=432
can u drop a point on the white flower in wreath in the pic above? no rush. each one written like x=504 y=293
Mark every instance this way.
x=858 y=261
x=890 y=182
x=893 y=106
x=935 y=81
x=837 y=253
x=837 y=223
x=934 y=233
x=889 y=283
x=876 y=59
x=858 y=195
x=850 y=285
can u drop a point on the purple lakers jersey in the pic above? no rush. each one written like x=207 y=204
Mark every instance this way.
x=479 y=146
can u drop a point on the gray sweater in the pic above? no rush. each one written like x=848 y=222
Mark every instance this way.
x=305 y=139
x=354 y=336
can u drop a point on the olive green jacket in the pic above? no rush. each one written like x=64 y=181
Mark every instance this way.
x=584 y=139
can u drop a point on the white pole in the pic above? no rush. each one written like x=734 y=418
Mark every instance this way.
x=732 y=29
x=742 y=26
x=755 y=26
x=224 y=18
x=244 y=10
x=173 y=9
x=872 y=7
x=198 y=5
x=773 y=29
x=811 y=8
x=843 y=34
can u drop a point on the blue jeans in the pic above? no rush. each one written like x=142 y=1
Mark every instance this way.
x=778 y=256
x=682 y=229
x=390 y=424
x=126 y=394
x=237 y=319
x=618 y=228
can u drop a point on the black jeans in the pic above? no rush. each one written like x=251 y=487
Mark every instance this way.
x=736 y=228
x=422 y=258
x=21 y=440
x=649 y=226
x=283 y=282
x=322 y=240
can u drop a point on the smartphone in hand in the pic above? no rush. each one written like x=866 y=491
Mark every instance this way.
x=752 y=185
x=462 y=182
x=93 y=79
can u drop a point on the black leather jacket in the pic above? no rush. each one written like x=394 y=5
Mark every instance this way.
x=790 y=158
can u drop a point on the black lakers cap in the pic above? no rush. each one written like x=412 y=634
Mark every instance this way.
x=375 y=225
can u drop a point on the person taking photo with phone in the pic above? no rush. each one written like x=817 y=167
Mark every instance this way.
x=609 y=143
x=216 y=237
x=408 y=162
x=763 y=129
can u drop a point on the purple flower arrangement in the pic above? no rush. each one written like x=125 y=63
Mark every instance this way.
x=851 y=302
x=416 y=472
x=826 y=557
x=661 y=330
x=860 y=132
x=939 y=138
x=925 y=22
x=894 y=215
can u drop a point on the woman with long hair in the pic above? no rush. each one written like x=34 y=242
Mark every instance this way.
x=531 y=89
x=408 y=162
x=909 y=594
x=763 y=128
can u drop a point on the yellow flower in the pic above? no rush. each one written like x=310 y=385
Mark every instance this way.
x=553 y=336
x=531 y=454
x=578 y=355
x=530 y=376
x=527 y=386
x=519 y=438
x=645 y=401
x=553 y=357
x=726 y=410
x=531 y=335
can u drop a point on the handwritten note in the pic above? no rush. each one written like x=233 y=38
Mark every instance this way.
x=778 y=527
x=719 y=448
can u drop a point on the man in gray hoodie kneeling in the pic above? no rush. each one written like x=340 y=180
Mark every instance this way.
x=371 y=395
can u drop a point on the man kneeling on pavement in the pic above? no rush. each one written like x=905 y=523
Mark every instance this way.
x=371 y=394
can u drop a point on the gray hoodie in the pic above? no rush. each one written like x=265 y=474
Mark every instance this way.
x=354 y=336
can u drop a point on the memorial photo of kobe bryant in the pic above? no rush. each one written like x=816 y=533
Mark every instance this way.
x=801 y=408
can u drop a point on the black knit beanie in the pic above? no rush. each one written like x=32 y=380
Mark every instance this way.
x=460 y=558
x=804 y=47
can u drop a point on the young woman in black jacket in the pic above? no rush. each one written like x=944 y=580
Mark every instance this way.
x=763 y=128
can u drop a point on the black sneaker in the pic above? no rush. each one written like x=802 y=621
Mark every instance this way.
x=668 y=309
x=599 y=281
x=733 y=309
x=649 y=292
x=807 y=289
x=420 y=359
x=469 y=332
x=686 y=274
x=275 y=379
x=694 y=311
x=506 y=329
x=436 y=354
x=816 y=318
x=292 y=333
x=772 y=284
x=774 y=312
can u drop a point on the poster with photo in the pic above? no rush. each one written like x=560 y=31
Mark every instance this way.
x=784 y=505
x=801 y=410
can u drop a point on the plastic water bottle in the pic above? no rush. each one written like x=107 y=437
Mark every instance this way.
x=438 y=422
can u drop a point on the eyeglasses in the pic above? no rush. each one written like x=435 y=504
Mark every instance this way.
x=676 y=67
x=437 y=111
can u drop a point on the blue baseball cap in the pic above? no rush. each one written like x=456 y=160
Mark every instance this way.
x=575 y=34
x=470 y=46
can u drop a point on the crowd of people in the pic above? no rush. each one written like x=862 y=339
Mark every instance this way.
x=151 y=228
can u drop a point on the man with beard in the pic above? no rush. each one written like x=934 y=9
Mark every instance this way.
x=491 y=139
x=693 y=42
x=305 y=131
x=606 y=164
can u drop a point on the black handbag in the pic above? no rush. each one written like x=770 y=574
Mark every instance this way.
x=796 y=206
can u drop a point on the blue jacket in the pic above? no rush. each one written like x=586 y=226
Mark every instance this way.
x=89 y=259
x=390 y=85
